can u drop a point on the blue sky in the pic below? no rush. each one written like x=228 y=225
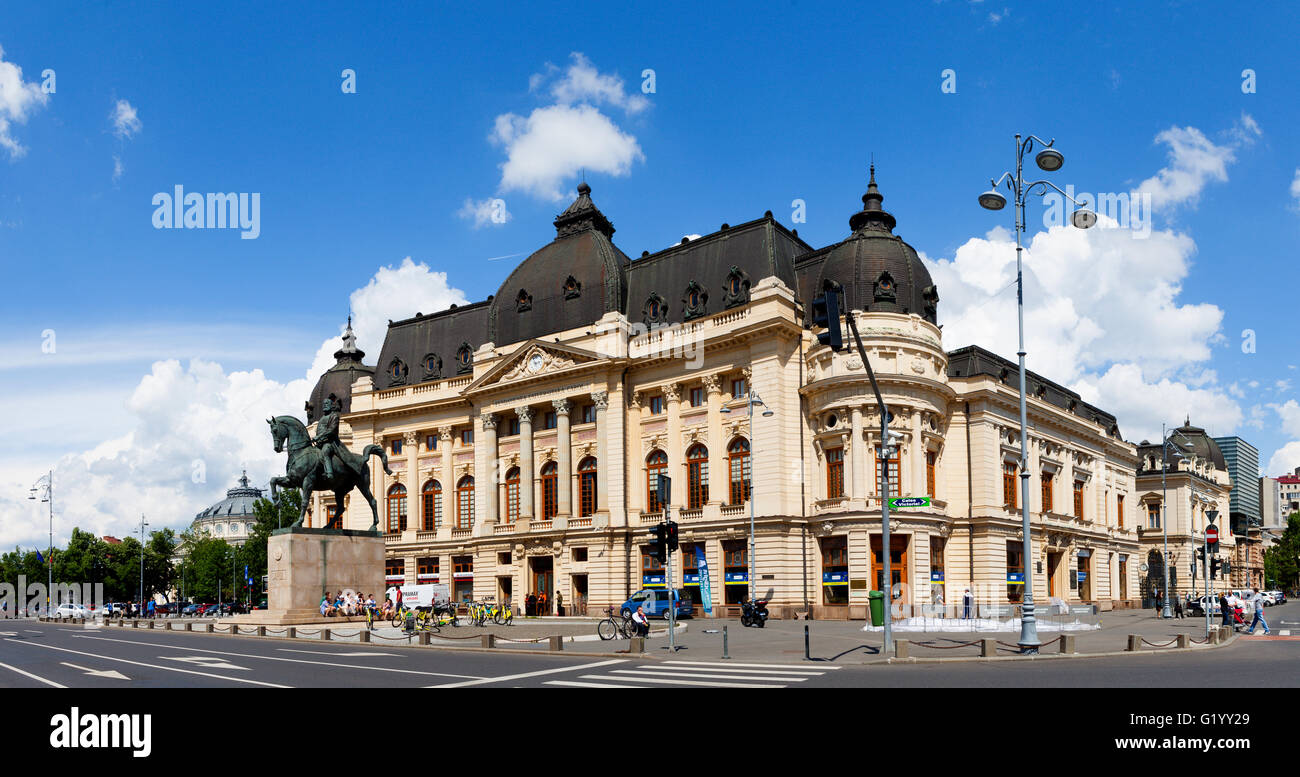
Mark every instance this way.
x=752 y=109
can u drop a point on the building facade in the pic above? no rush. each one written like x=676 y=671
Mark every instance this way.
x=525 y=434
x=232 y=518
x=1244 y=509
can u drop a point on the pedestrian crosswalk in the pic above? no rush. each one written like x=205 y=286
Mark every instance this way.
x=706 y=674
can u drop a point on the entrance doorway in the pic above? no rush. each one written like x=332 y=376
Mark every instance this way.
x=579 y=595
x=1053 y=571
x=1085 y=578
x=505 y=589
x=543 y=569
x=898 y=571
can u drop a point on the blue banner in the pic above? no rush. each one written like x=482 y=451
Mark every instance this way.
x=936 y=576
x=1015 y=578
x=702 y=565
x=835 y=578
x=737 y=577
x=691 y=579
x=652 y=581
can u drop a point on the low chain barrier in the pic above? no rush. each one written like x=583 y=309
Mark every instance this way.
x=276 y=631
x=1146 y=641
x=406 y=637
x=309 y=633
x=974 y=643
x=343 y=634
x=534 y=641
x=1205 y=641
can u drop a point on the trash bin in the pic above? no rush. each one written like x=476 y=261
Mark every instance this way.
x=877 y=608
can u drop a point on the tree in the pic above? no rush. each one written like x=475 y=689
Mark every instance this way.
x=1282 y=561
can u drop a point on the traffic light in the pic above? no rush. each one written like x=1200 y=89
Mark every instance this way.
x=671 y=536
x=1227 y=569
x=1214 y=567
x=657 y=543
x=826 y=313
x=1200 y=554
x=664 y=491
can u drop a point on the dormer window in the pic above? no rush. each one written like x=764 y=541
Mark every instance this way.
x=655 y=310
x=572 y=289
x=523 y=302
x=397 y=372
x=432 y=366
x=695 y=301
x=464 y=357
x=885 y=291
x=736 y=287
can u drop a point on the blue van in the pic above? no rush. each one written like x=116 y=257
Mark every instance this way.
x=654 y=603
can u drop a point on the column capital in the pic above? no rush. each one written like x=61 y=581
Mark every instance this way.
x=409 y=438
x=636 y=399
x=489 y=421
x=600 y=399
x=673 y=392
x=712 y=384
x=525 y=414
x=561 y=406
x=444 y=432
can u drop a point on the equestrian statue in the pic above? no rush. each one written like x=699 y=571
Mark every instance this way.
x=323 y=463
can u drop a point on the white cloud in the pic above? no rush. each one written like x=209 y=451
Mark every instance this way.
x=118 y=168
x=485 y=212
x=180 y=413
x=125 y=121
x=1281 y=385
x=1285 y=459
x=1289 y=413
x=18 y=99
x=1195 y=161
x=1295 y=188
x=553 y=143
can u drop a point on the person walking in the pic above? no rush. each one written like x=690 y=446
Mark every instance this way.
x=1159 y=603
x=1258 y=601
x=1225 y=608
x=559 y=604
x=1178 y=607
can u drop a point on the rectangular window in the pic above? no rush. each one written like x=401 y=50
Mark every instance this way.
x=736 y=566
x=548 y=420
x=466 y=436
x=656 y=405
x=834 y=473
x=1046 y=478
x=697 y=396
x=1015 y=570
x=893 y=471
x=512 y=427
x=1123 y=577
x=937 y=545
x=588 y=414
x=739 y=388
x=1009 y=485
x=1119 y=509
x=930 y=458
x=431 y=442
x=397 y=447
x=1078 y=499
x=426 y=570
x=395 y=570
x=1153 y=515
x=579 y=554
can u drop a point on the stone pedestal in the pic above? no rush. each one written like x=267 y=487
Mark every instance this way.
x=304 y=564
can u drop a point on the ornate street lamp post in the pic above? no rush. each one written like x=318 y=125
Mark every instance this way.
x=750 y=401
x=1049 y=160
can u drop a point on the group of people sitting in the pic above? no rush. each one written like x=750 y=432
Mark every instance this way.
x=351 y=604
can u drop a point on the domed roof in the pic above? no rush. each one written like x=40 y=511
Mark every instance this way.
x=238 y=502
x=878 y=271
x=568 y=283
x=1202 y=444
x=337 y=380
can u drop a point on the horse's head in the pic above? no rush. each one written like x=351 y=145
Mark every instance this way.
x=277 y=433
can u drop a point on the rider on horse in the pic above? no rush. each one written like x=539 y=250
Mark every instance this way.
x=327 y=434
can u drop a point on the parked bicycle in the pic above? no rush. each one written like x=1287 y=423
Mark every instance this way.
x=612 y=627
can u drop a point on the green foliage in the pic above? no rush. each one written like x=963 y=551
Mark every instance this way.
x=1282 y=561
x=88 y=559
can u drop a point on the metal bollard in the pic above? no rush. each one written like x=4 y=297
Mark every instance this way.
x=988 y=647
x=556 y=643
x=488 y=640
x=1134 y=643
x=365 y=637
x=724 y=642
x=1067 y=643
x=807 y=647
x=900 y=648
x=424 y=638
x=292 y=633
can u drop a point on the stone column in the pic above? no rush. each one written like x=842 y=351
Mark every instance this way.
x=720 y=493
x=918 y=487
x=636 y=485
x=858 y=454
x=673 y=447
x=488 y=474
x=412 y=450
x=601 y=399
x=526 y=471
x=448 y=488
x=564 y=459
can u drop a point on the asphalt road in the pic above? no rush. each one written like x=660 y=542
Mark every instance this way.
x=34 y=654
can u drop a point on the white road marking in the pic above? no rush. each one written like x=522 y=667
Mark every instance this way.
x=756 y=666
x=485 y=680
x=659 y=673
x=8 y=633
x=150 y=666
x=328 y=665
x=1284 y=633
x=112 y=674
x=666 y=681
x=34 y=677
x=744 y=672
x=206 y=662
x=33 y=631
x=576 y=684
x=328 y=653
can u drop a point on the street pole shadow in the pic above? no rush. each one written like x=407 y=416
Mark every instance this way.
x=867 y=648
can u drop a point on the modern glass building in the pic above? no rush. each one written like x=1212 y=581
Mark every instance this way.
x=1243 y=467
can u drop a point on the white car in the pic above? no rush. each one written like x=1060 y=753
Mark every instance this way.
x=72 y=611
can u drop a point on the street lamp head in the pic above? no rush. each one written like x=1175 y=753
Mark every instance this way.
x=1083 y=218
x=1049 y=159
x=768 y=413
x=993 y=200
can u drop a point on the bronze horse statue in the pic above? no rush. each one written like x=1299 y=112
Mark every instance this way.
x=304 y=471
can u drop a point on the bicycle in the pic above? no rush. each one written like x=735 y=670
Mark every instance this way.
x=616 y=628
x=504 y=616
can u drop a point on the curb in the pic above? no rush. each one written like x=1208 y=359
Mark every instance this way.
x=1051 y=656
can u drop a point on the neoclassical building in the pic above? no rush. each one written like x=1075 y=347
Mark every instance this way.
x=525 y=433
x=232 y=518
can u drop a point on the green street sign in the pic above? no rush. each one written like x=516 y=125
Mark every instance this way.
x=909 y=501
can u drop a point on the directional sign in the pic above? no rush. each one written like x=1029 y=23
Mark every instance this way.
x=909 y=501
x=109 y=673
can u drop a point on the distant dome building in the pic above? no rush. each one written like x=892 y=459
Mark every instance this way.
x=232 y=518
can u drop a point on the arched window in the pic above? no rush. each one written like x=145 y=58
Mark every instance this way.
x=656 y=464
x=587 y=487
x=697 y=477
x=512 y=495
x=396 y=508
x=465 y=503
x=432 y=498
x=738 y=469
x=550 y=491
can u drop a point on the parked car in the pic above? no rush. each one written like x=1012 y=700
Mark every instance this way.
x=261 y=604
x=1279 y=597
x=192 y=610
x=72 y=611
x=1197 y=606
x=654 y=603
